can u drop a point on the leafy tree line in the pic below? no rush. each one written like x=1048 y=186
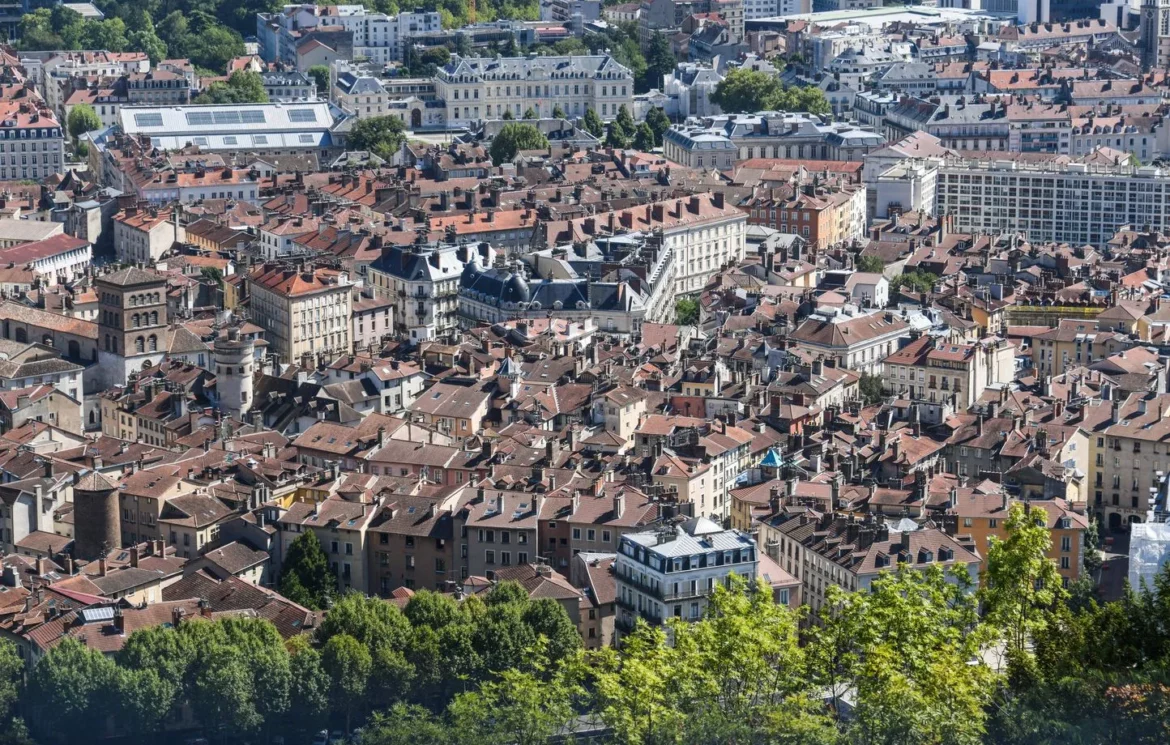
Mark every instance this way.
x=748 y=91
x=239 y=679
x=908 y=661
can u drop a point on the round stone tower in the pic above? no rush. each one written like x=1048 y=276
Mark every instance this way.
x=235 y=360
x=97 y=528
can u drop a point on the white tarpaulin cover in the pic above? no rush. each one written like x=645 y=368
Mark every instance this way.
x=1149 y=549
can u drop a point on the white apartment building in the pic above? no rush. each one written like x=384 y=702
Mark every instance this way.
x=485 y=88
x=143 y=235
x=702 y=231
x=378 y=37
x=423 y=284
x=302 y=310
x=360 y=95
x=856 y=340
x=1074 y=203
x=32 y=142
x=673 y=572
x=753 y=9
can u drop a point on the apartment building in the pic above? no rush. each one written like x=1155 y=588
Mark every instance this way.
x=32 y=142
x=672 y=572
x=1075 y=343
x=143 y=234
x=496 y=529
x=768 y=134
x=289 y=86
x=944 y=378
x=959 y=123
x=703 y=232
x=379 y=37
x=158 y=88
x=361 y=95
x=485 y=88
x=826 y=550
x=823 y=216
x=983 y=515
x=1077 y=203
x=303 y=310
x=1130 y=455
x=410 y=544
x=342 y=526
x=856 y=340
x=423 y=284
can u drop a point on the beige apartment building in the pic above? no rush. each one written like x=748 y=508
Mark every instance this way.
x=1130 y=452
x=302 y=310
x=943 y=378
x=486 y=88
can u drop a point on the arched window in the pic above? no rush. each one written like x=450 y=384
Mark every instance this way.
x=139 y=345
x=133 y=300
x=154 y=318
x=134 y=320
x=153 y=343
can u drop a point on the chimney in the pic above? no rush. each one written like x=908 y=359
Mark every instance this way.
x=619 y=504
x=134 y=556
x=119 y=622
x=102 y=567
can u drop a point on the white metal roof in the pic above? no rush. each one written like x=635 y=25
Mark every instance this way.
x=227 y=119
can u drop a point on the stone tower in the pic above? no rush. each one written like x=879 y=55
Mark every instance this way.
x=132 y=323
x=234 y=364
x=97 y=528
x=1155 y=34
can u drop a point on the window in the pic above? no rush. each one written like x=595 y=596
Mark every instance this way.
x=576 y=534
x=349 y=549
x=992 y=523
x=333 y=547
x=1064 y=562
x=489 y=557
x=506 y=558
x=302 y=115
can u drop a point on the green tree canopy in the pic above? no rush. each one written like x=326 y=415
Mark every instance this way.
x=305 y=576
x=381 y=135
x=686 y=311
x=320 y=76
x=82 y=119
x=871 y=264
x=592 y=123
x=743 y=90
x=513 y=138
x=870 y=387
x=644 y=137
x=244 y=86
x=658 y=122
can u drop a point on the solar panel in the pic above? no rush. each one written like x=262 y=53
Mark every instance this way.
x=148 y=120
x=226 y=117
x=91 y=615
x=252 y=116
x=199 y=140
x=260 y=139
x=302 y=115
x=196 y=118
x=229 y=140
x=306 y=138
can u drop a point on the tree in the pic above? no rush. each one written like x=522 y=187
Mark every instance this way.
x=617 y=136
x=909 y=649
x=348 y=664
x=244 y=86
x=513 y=138
x=658 y=122
x=660 y=59
x=320 y=76
x=372 y=621
x=744 y=90
x=686 y=311
x=870 y=387
x=1023 y=584
x=109 y=34
x=558 y=112
x=381 y=135
x=916 y=281
x=305 y=578
x=644 y=137
x=871 y=264
x=530 y=113
x=11 y=681
x=405 y=724
x=518 y=707
x=308 y=687
x=223 y=695
x=69 y=690
x=592 y=123
x=507 y=115
x=82 y=119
